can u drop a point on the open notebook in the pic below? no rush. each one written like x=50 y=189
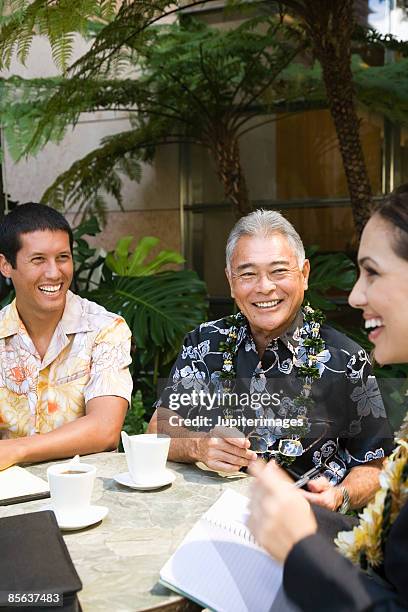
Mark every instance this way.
x=18 y=485
x=220 y=566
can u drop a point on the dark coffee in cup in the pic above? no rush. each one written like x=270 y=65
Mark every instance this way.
x=74 y=472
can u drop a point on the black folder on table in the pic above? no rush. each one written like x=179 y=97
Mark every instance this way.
x=35 y=559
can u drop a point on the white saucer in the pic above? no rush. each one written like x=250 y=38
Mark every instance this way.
x=125 y=479
x=78 y=520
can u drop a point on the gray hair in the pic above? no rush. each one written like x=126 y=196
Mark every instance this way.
x=264 y=223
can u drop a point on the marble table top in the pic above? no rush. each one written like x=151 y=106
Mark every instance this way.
x=119 y=559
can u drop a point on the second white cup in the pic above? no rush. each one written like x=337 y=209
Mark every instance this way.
x=146 y=456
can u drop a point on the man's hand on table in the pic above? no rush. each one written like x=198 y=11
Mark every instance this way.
x=97 y=431
x=10 y=453
x=222 y=452
x=223 y=449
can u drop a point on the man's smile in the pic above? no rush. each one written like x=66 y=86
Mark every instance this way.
x=269 y=304
x=50 y=289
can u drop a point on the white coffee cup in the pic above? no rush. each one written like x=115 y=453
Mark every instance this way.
x=71 y=486
x=146 y=456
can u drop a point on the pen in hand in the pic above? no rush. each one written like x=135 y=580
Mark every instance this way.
x=306 y=477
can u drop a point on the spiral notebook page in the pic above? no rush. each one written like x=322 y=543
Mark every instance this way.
x=231 y=509
x=219 y=566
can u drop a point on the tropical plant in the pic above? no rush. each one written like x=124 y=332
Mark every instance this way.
x=123 y=38
x=330 y=272
x=127 y=34
x=194 y=84
x=160 y=307
x=380 y=89
x=21 y=20
x=124 y=262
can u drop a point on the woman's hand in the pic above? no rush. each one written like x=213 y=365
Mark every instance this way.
x=322 y=493
x=280 y=515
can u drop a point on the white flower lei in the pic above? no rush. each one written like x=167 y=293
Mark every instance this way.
x=308 y=370
x=365 y=544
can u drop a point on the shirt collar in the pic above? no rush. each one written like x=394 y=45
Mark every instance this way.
x=72 y=321
x=10 y=321
x=290 y=337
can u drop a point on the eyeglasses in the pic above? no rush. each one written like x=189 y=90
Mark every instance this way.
x=293 y=448
x=274 y=276
x=288 y=447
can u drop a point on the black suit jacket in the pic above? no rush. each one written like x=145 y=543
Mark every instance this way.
x=317 y=578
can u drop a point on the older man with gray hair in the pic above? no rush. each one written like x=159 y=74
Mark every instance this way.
x=274 y=380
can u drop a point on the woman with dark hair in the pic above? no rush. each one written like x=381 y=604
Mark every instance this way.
x=316 y=576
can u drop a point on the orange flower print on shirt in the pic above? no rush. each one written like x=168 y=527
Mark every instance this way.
x=20 y=378
x=18 y=375
x=52 y=407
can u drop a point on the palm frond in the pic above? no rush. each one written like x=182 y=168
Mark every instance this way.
x=22 y=108
x=383 y=89
x=20 y=21
x=127 y=30
x=81 y=186
x=329 y=271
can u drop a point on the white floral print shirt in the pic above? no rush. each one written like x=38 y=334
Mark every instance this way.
x=88 y=357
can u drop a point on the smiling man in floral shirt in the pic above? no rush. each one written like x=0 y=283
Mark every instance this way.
x=295 y=387
x=64 y=378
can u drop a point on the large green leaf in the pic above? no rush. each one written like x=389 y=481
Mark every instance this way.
x=124 y=262
x=162 y=259
x=117 y=261
x=329 y=272
x=89 y=227
x=159 y=309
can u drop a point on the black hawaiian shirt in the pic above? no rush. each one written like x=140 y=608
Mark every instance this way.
x=348 y=425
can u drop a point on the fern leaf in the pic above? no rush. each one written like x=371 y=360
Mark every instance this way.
x=59 y=21
x=80 y=188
